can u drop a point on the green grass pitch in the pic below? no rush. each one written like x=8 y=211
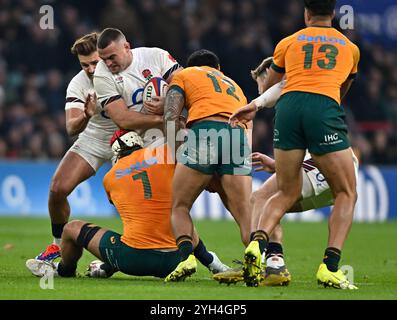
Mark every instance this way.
x=371 y=249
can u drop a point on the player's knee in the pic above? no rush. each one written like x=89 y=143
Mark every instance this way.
x=60 y=188
x=72 y=229
x=259 y=196
x=179 y=205
x=348 y=195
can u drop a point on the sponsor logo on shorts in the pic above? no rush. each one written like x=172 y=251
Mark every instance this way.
x=275 y=135
x=331 y=139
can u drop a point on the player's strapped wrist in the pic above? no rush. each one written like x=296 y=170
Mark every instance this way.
x=269 y=98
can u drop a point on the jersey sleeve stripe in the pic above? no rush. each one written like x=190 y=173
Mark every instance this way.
x=177 y=88
x=73 y=99
x=352 y=76
x=171 y=70
x=109 y=100
x=277 y=68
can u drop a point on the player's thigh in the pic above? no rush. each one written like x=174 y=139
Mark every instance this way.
x=138 y=262
x=187 y=185
x=72 y=170
x=338 y=169
x=288 y=171
x=237 y=191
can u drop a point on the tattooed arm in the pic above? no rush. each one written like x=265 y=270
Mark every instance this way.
x=174 y=103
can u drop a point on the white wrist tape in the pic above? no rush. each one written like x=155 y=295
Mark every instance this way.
x=269 y=98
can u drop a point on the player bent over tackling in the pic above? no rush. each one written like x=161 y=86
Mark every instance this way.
x=212 y=148
x=139 y=186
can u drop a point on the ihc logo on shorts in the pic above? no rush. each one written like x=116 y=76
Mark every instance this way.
x=331 y=137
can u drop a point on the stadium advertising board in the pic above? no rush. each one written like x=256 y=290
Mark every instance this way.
x=24 y=190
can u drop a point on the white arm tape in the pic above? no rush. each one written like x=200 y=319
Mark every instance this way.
x=269 y=98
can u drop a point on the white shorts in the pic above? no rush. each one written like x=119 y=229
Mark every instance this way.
x=315 y=189
x=96 y=152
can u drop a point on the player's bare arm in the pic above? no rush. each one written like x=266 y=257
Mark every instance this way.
x=266 y=100
x=129 y=119
x=243 y=115
x=77 y=119
x=174 y=103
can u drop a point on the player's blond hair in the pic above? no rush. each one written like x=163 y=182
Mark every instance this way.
x=265 y=64
x=85 y=45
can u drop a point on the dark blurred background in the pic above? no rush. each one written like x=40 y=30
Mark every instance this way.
x=36 y=65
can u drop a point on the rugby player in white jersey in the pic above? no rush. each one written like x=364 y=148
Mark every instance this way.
x=120 y=77
x=84 y=117
x=315 y=194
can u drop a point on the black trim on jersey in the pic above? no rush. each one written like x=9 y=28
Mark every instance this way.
x=111 y=99
x=177 y=88
x=73 y=99
x=352 y=76
x=171 y=70
x=276 y=68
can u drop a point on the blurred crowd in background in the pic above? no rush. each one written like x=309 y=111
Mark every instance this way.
x=36 y=65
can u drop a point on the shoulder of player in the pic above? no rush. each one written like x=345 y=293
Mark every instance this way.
x=80 y=79
x=350 y=43
x=147 y=51
x=102 y=70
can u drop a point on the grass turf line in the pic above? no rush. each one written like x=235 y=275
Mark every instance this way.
x=370 y=249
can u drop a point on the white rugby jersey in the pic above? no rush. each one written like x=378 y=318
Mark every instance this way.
x=99 y=126
x=128 y=84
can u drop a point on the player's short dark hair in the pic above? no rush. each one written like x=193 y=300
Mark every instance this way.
x=109 y=35
x=85 y=45
x=320 y=7
x=203 y=57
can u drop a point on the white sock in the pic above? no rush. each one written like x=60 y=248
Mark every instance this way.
x=275 y=262
x=57 y=241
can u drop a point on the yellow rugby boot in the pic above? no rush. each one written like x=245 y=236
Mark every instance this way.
x=276 y=277
x=183 y=270
x=252 y=272
x=231 y=276
x=336 y=279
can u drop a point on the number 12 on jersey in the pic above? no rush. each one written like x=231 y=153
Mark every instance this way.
x=230 y=91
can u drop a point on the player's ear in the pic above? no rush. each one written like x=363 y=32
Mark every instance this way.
x=333 y=15
x=219 y=67
x=127 y=45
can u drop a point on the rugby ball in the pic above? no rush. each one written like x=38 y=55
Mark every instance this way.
x=154 y=87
